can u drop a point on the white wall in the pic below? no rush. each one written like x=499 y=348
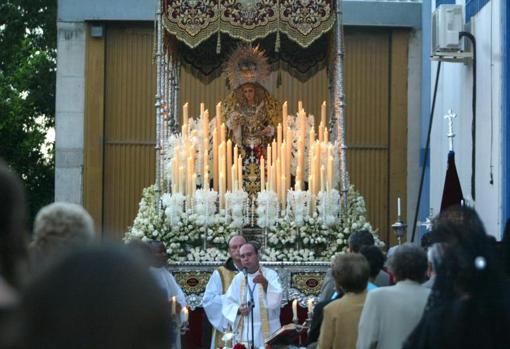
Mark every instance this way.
x=69 y=110
x=455 y=92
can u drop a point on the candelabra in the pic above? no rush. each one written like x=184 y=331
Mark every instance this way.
x=399 y=228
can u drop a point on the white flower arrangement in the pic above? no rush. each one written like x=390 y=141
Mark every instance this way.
x=197 y=254
x=267 y=208
x=329 y=207
x=174 y=207
x=205 y=206
x=235 y=203
x=298 y=205
x=313 y=240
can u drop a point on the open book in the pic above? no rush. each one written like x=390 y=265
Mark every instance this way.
x=285 y=334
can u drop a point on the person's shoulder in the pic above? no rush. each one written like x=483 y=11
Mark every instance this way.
x=333 y=305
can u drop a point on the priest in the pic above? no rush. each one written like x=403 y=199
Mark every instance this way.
x=257 y=283
x=217 y=286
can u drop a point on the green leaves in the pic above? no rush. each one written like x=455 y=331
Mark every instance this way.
x=27 y=93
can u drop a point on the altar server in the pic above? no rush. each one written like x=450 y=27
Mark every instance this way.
x=166 y=281
x=264 y=285
x=218 y=284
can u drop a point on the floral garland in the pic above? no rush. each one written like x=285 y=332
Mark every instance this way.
x=313 y=239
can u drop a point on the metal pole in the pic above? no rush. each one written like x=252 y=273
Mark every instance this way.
x=157 y=104
x=339 y=101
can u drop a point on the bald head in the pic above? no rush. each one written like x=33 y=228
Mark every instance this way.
x=234 y=244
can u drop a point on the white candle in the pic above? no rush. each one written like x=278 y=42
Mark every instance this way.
x=185 y=314
x=262 y=174
x=173 y=305
x=323 y=114
x=310 y=305
x=294 y=310
x=398 y=207
x=185 y=113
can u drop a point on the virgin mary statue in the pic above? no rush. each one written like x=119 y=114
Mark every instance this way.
x=250 y=113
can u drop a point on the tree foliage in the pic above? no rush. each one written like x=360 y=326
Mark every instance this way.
x=27 y=93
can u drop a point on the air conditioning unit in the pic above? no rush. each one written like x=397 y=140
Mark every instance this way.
x=447 y=23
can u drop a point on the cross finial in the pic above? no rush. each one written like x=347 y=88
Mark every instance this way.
x=450 y=116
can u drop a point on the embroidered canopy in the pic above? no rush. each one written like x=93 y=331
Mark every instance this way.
x=193 y=21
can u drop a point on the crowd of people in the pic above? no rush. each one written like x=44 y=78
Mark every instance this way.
x=61 y=288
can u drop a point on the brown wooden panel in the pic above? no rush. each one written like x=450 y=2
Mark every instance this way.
x=93 y=137
x=129 y=159
x=367 y=72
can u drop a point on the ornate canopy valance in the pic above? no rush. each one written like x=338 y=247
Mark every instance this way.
x=193 y=21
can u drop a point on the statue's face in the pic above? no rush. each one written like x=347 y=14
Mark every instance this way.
x=249 y=93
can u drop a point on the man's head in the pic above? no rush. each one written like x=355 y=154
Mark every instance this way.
x=234 y=245
x=249 y=253
x=408 y=262
x=375 y=259
x=158 y=251
x=360 y=238
x=351 y=272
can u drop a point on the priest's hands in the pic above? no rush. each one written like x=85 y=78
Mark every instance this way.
x=260 y=279
x=244 y=309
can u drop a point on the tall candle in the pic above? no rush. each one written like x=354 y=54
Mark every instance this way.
x=279 y=136
x=274 y=149
x=294 y=310
x=323 y=114
x=285 y=115
x=323 y=178
x=321 y=132
x=299 y=106
x=182 y=178
x=193 y=184
x=326 y=135
x=329 y=184
x=398 y=207
x=284 y=191
x=233 y=175
x=299 y=177
x=240 y=172
x=310 y=305
x=222 y=190
x=218 y=116
x=202 y=108
x=269 y=155
x=173 y=305
x=206 y=125
x=223 y=133
x=185 y=314
x=206 y=181
x=229 y=165
x=278 y=180
x=185 y=113
x=262 y=174
x=215 y=160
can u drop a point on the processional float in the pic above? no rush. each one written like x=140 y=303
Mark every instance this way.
x=301 y=207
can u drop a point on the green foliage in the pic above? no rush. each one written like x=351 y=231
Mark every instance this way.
x=27 y=93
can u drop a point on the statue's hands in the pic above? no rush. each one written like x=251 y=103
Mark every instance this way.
x=268 y=131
